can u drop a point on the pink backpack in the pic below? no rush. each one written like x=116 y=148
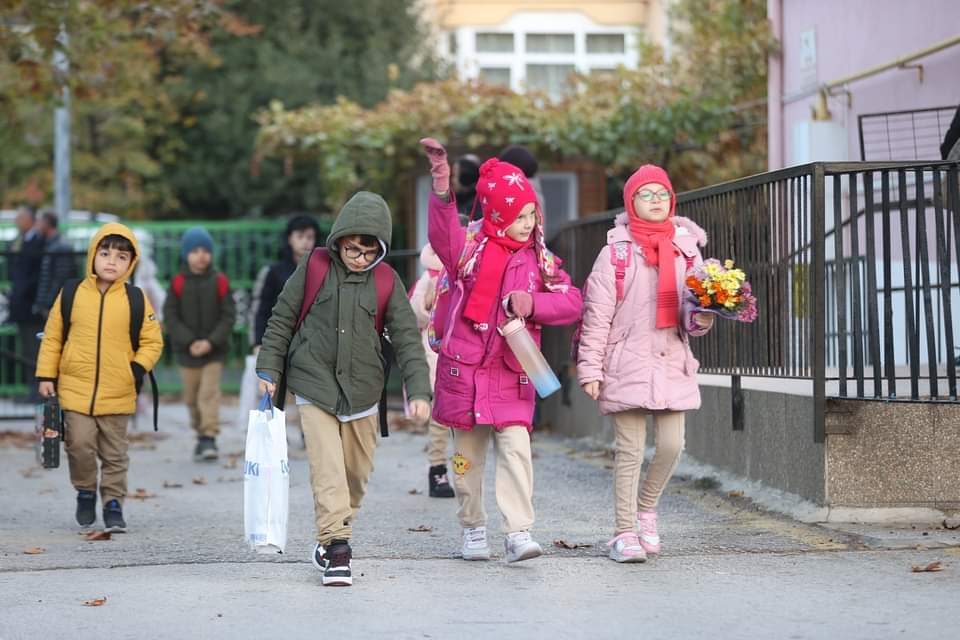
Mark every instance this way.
x=620 y=256
x=439 y=315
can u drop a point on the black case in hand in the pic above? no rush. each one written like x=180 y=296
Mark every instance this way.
x=49 y=433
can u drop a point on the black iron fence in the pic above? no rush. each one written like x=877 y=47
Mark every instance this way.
x=855 y=268
x=914 y=134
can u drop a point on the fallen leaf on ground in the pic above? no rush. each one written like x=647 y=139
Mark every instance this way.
x=96 y=602
x=735 y=494
x=19 y=439
x=142 y=494
x=34 y=551
x=97 y=535
x=933 y=566
x=414 y=492
x=421 y=529
x=172 y=485
x=29 y=473
x=199 y=480
x=563 y=544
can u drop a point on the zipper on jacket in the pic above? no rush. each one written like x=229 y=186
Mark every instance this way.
x=96 y=376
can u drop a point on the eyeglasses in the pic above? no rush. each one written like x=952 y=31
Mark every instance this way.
x=647 y=196
x=353 y=253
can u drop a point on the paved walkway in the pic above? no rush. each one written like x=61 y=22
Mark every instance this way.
x=729 y=570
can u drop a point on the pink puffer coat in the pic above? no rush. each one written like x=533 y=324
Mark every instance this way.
x=479 y=380
x=638 y=365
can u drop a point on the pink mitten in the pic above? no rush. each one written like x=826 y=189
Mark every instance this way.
x=521 y=304
x=439 y=167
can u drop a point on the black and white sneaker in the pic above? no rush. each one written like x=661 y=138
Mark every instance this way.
x=206 y=450
x=439 y=483
x=113 y=518
x=86 y=508
x=318 y=558
x=336 y=558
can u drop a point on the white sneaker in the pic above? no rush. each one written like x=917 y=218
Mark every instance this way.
x=475 y=545
x=520 y=546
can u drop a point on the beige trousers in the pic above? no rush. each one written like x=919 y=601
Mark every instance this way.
x=341 y=460
x=201 y=393
x=438 y=436
x=630 y=434
x=514 y=476
x=104 y=438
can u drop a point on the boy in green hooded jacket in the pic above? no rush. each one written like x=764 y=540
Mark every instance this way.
x=334 y=367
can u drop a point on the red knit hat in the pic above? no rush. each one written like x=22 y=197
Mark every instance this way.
x=502 y=192
x=647 y=174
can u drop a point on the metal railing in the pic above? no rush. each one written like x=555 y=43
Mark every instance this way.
x=914 y=134
x=855 y=268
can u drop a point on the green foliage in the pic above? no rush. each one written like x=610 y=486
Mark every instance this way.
x=679 y=113
x=305 y=51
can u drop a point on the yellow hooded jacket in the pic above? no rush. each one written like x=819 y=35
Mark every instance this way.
x=92 y=370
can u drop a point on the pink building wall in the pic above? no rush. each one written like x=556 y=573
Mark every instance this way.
x=852 y=36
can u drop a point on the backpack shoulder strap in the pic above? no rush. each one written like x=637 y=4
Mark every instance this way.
x=177 y=285
x=67 y=295
x=384 y=280
x=137 y=312
x=223 y=285
x=620 y=259
x=318 y=266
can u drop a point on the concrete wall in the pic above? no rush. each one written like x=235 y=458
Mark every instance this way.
x=893 y=454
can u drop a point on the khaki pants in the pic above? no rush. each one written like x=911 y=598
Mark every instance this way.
x=437 y=446
x=88 y=439
x=631 y=431
x=514 y=476
x=341 y=460
x=201 y=393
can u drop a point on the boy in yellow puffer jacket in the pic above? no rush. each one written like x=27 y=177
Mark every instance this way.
x=97 y=374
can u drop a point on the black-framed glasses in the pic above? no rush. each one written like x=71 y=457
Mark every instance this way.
x=354 y=253
x=646 y=195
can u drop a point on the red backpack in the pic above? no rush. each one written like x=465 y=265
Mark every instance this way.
x=223 y=285
x=318 y=266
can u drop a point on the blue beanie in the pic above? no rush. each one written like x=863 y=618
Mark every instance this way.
x=193 y=238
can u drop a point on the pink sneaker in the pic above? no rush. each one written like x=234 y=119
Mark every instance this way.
x=647 y=526
x=626 y=548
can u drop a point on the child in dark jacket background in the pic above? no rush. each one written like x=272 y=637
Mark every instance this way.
x=199 y=314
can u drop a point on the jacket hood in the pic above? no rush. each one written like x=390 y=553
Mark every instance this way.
x=685 y=226
x=110 y=229
x=429 y=258
x=365 y=213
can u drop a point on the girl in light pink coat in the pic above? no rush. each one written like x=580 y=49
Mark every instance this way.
x=482 y=392
x=634 y=355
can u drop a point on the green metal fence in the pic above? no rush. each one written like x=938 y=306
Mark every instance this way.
x=242 y=249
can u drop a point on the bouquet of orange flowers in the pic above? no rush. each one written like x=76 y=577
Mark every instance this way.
x=721 y=289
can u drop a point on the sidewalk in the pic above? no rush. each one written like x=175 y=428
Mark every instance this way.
x=729 y=570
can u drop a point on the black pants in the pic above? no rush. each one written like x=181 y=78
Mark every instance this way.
x=29 y=348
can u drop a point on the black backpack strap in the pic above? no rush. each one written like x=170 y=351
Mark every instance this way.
x=67 y=295
x=388 y=356
x=137 y=312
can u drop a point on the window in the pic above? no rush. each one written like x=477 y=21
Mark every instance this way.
x=549 y=78
x=452 y=43
x=602 y=71
x=550 y=43
x=495 y=43
x=605 y=43
x=495 y=75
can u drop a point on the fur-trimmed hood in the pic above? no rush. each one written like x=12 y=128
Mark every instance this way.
x=429 y=258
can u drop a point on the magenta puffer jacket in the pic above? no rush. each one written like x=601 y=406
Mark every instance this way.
x=639 y=366
x=479 y=380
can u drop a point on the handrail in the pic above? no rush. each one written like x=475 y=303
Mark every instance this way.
x=823 y=113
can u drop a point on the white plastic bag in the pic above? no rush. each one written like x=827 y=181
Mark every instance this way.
x=266 y=479
x=249 y=391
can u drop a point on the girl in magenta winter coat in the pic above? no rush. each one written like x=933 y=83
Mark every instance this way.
x=504 y=271
x=634 y=355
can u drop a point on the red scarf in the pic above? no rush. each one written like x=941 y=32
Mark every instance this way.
x=493 y=264
x=656 y=241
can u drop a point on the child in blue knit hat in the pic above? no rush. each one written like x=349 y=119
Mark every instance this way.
x=199 y=314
